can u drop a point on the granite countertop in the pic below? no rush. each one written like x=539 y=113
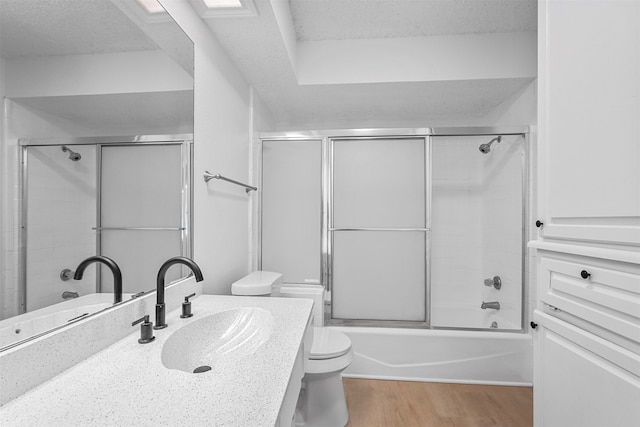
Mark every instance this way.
x=127 y=384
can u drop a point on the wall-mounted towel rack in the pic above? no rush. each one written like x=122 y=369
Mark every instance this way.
x=208 y=176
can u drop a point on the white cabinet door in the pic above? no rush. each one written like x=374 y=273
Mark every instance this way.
x=582 y=380
x=589 y=120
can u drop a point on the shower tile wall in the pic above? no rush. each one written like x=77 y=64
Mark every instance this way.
x=61 y=212
x=502 y=231
x=456 y=236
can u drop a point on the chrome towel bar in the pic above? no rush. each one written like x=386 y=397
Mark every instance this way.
x=208 y=176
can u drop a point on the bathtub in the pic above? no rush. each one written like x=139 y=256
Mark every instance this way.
x=35 y=322
x=470 y=357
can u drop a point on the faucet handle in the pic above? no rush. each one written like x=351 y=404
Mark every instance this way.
x=496 y=282
x=146 y=329
x=186 y=307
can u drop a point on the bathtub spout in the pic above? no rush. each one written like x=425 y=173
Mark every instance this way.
x=494 y=305
x=69 y=294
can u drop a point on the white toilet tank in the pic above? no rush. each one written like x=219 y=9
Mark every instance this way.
x=269 y=283
x=257 y=283
x=314 y=292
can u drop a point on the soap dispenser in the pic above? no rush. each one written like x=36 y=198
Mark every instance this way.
x=186 y=307
x=146 y=330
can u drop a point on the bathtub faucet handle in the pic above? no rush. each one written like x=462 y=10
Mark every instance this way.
x=496 y=282
x=66 y=274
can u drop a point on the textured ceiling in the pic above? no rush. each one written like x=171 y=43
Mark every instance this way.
x=256 y=46
x=356 y=19
x=66 y=27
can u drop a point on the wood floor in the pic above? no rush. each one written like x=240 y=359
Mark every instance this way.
x=375 y=403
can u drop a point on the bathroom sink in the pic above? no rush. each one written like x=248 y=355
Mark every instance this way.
x=216 y=338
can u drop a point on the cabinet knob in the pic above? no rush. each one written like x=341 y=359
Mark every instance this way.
x=585 y=274
x=534 y=325
x=539 y=223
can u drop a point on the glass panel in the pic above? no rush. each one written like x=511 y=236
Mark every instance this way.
x=61 y=200
x=139 y=254
x=379 y=183
x=141 y=186
x=291 y=209
x=379 y=275
x=476 y=232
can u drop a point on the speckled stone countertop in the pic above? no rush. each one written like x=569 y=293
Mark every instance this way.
x=126 y=384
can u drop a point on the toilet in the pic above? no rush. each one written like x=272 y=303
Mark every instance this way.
x=321 y=402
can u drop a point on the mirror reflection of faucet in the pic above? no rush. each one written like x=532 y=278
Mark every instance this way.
x=117 y=274
x=496 y=282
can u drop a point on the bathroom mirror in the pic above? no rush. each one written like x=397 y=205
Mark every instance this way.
x=112 y=83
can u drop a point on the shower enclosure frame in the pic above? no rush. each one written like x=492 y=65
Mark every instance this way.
x=186 y=218
x=327 y=138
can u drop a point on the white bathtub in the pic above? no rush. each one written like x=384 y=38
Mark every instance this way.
x=500 y=358
x=35 y=322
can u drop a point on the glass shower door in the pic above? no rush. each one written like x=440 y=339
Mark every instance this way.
x=477 y=232
x=291 y=209
x=142 y=216
x=61 y=197
x=378 y=230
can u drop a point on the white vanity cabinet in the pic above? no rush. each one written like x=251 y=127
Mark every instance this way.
x=286 y=416
x=587 y=340
x=582 y=379
x=587 y=316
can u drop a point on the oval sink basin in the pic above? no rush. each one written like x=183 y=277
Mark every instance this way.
x=223 y=336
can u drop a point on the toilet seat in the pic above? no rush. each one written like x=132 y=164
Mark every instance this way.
x=328 y=367
x=328 y=344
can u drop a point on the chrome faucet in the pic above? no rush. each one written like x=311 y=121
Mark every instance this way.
x=117 y=274
x=160 y=305
x=494 y=305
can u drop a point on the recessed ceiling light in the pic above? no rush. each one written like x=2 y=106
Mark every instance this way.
x=209 y=9
x=151 y=6
x=223 y=3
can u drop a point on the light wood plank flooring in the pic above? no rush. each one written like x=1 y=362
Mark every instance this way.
x=376 y=403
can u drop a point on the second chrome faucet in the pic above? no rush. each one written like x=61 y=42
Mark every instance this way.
x=160 y=304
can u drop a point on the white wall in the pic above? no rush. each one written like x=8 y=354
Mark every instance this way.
x=417 y=59
x=66 y=75
x=222 y=135
x=8 y=212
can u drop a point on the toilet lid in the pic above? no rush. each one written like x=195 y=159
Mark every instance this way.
x=328 y=344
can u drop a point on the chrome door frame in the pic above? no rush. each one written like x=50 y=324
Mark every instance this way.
x=186 y=140
x=427 y=132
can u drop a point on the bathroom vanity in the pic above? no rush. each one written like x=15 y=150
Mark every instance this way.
x=253 y=351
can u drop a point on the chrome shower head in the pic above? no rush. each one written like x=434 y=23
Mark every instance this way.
x=72 y=154
x=485 y=148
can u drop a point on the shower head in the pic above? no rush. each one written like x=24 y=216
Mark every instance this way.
x=72 y=154
x=485 y=148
